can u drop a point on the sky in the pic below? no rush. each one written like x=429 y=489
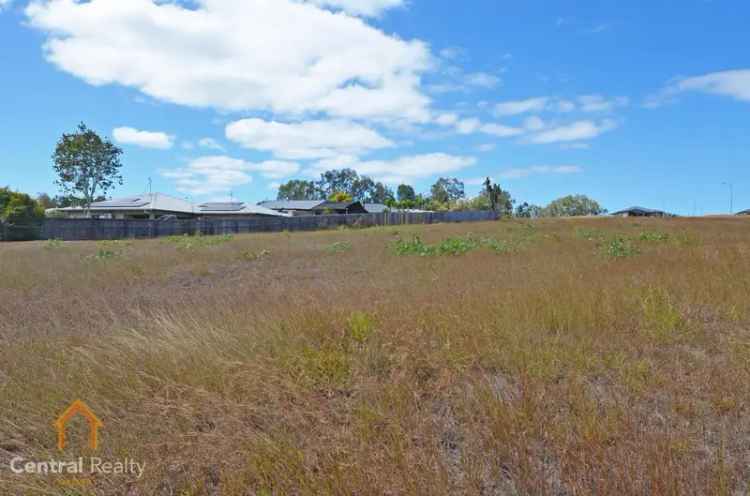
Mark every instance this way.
x=631 y=103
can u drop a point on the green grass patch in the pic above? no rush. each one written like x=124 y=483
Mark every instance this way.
x=339 y=247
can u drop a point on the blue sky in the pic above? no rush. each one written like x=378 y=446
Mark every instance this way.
x=632 y=103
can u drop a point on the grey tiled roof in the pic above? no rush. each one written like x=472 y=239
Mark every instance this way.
x=291 y=204
x=640 y=210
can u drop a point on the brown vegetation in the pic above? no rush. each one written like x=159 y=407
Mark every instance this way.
x=559 y=357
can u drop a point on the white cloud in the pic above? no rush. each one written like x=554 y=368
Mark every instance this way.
x=210 y=143
x=519 y=173
x=5 y=4
x=534 y=123
x=145 y=139
x=306 y=140
x=402 y=169
x=447 y=119
x=598 y=103
x=576 y=131
x=452 y=53
x=565 y=106
x=521 y=106
x=482 y=79
x=735 y=84
x=500 y=130
x=486 y=147
x=583 y=103
x=468 y=126
x=220 y=174
x=372 y=8
x=282 y=56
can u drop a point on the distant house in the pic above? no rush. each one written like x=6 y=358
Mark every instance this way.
x=314 y=207
x=641 y=212
x=744 y=212
x=235 y=209
x=376 y=208
x=159 y=205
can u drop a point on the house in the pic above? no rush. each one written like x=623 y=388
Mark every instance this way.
x=236 y=209
x=314 y=207
x=376 y=208
x=331 y=207
x=159 y=205
x=641 y=212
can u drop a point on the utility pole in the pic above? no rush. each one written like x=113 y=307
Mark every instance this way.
x=731 y=197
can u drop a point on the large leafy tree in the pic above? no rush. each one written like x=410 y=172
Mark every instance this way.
x=573 y=206
x=406 y=193
x=299 y=190
x=360 y=188
x=334 y=181
x=86 y=164
x=499 y=200
x=381 y=194
x=447 y=190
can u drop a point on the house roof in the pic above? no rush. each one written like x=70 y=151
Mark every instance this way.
x=331 y=205
x=145 y=202
x=375 y=208
x=160 y=202
x=639 y=210
x=291 y=204
x=236 y=208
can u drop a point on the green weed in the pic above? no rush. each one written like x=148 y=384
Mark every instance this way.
x=621 y=247
x=339 y=247
x=361 y=326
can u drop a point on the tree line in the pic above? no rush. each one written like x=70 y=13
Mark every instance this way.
x=446 y=194
x=88 y=166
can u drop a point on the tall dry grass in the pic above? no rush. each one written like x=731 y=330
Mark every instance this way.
x=599 y=356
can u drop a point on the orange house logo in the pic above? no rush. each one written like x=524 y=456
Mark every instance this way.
x=78 y=408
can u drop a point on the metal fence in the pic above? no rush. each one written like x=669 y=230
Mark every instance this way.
x=109 y=229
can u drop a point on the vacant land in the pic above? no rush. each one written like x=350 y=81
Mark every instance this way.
x=567 y=357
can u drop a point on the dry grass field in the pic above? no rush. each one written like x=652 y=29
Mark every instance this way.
x=557 y=357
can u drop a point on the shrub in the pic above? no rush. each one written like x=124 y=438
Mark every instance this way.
x=413 y=247
x=653 y=236
x=621 y=247
x=361 y=326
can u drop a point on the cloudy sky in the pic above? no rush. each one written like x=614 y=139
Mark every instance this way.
x=633 y=102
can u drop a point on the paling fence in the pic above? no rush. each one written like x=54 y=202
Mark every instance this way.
x=109 y=229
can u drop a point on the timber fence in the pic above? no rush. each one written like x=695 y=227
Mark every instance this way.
x=110 y=229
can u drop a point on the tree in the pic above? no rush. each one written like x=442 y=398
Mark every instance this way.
x=406 y=193
x=18 y=208
x=86 y=164
x=499 y=200
x=529 y=211
x=381 y=194
x=333 y=181
x=447 y=190
x=573 y=206
x=299 y=190
x=340 y=197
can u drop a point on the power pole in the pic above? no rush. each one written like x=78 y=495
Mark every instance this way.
x=731 y=197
